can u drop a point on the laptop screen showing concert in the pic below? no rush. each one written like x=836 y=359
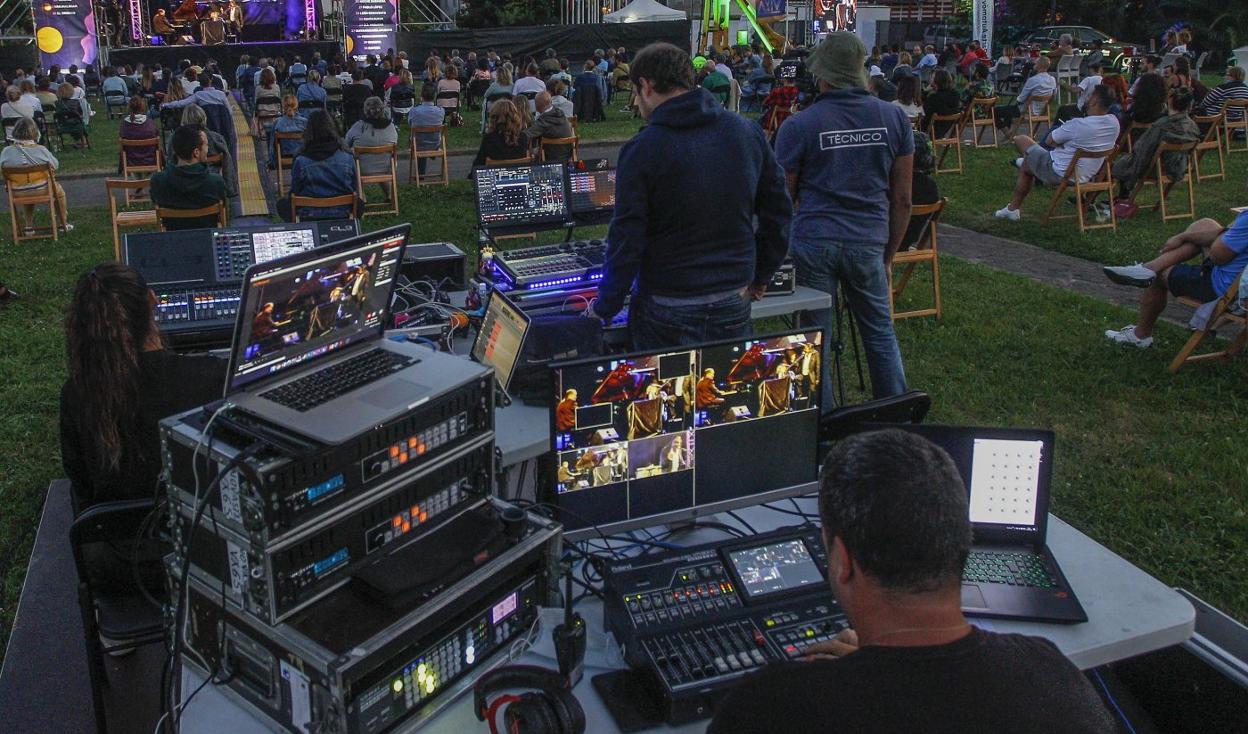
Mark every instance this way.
x=303 y=307
x=659 y=436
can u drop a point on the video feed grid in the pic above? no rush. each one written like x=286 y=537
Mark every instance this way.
x=758 y=378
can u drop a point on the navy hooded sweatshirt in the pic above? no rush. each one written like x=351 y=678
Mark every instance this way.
x=687 y=190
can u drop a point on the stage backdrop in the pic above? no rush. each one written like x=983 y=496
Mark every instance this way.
x=65 y=32
x=370 y=26
x=576 y=42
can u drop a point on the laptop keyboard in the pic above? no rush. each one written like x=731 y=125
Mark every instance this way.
x=338 y=379
x=1015 y=569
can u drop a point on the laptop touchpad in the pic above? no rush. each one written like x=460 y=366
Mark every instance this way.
x=394 y=393
x=972 y=597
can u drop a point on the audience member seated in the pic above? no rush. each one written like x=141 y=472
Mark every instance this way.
x=1095 y=133
x=530 y=83
x=717 y=82
x=1039 y=84
x=311 y=94
x=1180 y=75
x=895 y=525
x=114 y=85
x=205 y=94
x=26 y=151
x=923 y=188
x=122 y=382
x=426 y=114
x=187 y=183
x=941 y=100
x=29 y=97
x=504 y=137
x=1223 y=253
x=880 y=86
x=399 y=97
x=323 y=169
x=194 y=115
x=559 y=97
x=908 y=96
x=550 y=123
x=1149 y=101
x=353 y=96
x=1084 y=90
x=289 y=122
x=14 y=109
x=268 y=96
x=1176 y=127
x=43 y=90
x=1232 y=88
x=297 y=73
x=136 y=125
x=69 y=117
x=447 y=84
x=978 y=87
x=375 y=129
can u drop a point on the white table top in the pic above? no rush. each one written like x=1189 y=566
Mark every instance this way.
x=1129 y=613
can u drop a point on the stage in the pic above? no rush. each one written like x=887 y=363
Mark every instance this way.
x=226 y=55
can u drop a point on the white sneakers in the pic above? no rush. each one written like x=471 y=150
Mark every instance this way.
x=1126 y=335
x=1136 y=275
x=1006 y=212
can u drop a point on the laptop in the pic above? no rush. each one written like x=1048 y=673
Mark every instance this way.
x=500 y=340
x=1011 y=574
x=308 y=354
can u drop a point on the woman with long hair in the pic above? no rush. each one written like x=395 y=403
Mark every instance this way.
x=323 y=169
x=122 y=381
x=290 y=122
x=400 y=98
x=504 y=137
x=1149 y=102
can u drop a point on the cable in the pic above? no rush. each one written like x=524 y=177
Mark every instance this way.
x=1112 y=702
x=744 y=524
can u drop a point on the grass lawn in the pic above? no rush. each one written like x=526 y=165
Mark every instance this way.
x=1145 y=465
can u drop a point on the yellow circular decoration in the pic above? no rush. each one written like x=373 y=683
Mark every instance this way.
x=350 y=45
x=49 y=39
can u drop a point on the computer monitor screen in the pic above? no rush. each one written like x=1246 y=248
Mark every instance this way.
x=689 y=428
x=500 y=341
x=591 y=190
x=273 y=244
x=771 y=569
x=302 y=307
x=511 y=196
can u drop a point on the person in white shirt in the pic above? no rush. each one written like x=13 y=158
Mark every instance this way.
x=558 y=99
x=1084 y=90
x=929 y=60
x=1039 y=84
x=1095 y=133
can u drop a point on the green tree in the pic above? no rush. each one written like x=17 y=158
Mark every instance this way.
x=500 y=13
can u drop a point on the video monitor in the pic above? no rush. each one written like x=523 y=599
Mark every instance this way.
x=301 y=307
x=773 y=569
x=517 y=196
x=500 y=340
x=591 y=191
x=643 y=438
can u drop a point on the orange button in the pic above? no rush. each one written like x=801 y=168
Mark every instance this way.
x=411 y=443
x=424 y=516
x=397 y=522
x=407 y=526
x=403 y=457
x=394 y=452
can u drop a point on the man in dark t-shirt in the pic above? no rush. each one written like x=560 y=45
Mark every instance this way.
x=894 y=515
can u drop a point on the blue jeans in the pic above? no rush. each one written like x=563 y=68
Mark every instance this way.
x=858 y=267
x=651 y=326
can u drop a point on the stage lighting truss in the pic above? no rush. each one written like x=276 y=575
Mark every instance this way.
x=309 y=19
x=138 y=20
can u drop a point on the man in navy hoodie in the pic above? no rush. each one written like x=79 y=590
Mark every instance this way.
x=689 y=188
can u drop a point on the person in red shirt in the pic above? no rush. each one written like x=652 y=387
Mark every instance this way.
x=778 y=105
x=974 y=54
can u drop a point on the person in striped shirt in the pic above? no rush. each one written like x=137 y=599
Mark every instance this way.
x=1232 y=88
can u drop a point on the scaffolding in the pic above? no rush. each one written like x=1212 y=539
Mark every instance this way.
x=578 y=12
x=17 y=22
x=427 y=15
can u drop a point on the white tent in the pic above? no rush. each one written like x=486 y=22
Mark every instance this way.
x=643 y=11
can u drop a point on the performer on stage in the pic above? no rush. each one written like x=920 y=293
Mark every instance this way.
x=234 y=17
x=162 y=27
x=565 y=412
x=212 y=30
x=709 y=395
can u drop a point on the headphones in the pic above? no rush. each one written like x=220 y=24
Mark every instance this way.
x=550 y=709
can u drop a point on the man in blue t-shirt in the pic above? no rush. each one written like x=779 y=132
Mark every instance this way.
x=849 y=159
x=1224 y=253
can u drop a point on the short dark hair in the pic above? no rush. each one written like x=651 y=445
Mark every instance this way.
x=1105 y=95
x=1181 y=98
x=898 y=504
x=186 y=141
x=428 y=93
x=665 y=66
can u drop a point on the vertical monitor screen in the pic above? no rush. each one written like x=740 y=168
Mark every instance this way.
x=300 y=308
x=591 y=191
x=510 y=196
x=500 y=340
x=662 y=433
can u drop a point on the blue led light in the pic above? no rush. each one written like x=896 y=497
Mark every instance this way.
x=321 y=567
x=329 y=486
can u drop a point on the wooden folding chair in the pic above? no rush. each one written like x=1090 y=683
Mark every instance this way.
x=413 y=172
x=1212 y=125
x=924 y=250
x=1035 y=121
x=31 y=176
x=951 y=139
x=131 y=171
x=1103 y=181
x=1229 y=126
x=284 y=161
x=127 y=219
x=572 y=142
x=388 y=179
x=163 y=214
x=979 y=118
x=1134 y=131
x=1155 y=174
x=1221 y=314
x=298 y=202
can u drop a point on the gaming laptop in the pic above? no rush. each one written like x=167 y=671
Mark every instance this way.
x=1011 y=574
x=308 y=353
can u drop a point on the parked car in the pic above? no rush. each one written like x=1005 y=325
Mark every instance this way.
x=1117 y=53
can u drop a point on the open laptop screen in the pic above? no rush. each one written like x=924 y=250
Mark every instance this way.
x=300 y=308
x=500 y=341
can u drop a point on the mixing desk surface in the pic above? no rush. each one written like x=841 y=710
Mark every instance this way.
x=562 y=265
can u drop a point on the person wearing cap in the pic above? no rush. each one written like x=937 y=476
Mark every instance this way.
x=693 y=263
x=848 y=158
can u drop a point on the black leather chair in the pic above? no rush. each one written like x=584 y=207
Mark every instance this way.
x=117 y=552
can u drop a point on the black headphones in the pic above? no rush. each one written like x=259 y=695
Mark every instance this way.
x=550 y=709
